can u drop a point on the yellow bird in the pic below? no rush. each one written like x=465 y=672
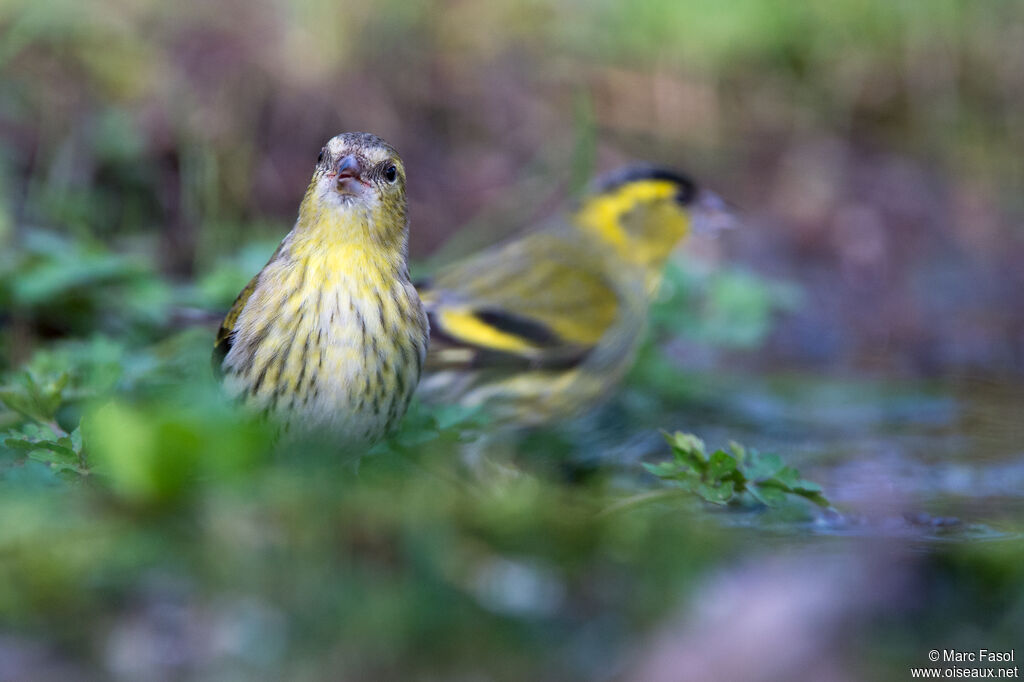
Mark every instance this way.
x=331 y=334
x=543 y=326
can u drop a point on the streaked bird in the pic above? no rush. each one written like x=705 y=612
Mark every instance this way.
x=543 y=326
x=330 y=334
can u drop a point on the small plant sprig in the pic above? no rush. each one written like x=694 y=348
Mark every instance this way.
x=35 y=399
x=60 y=452
x=40 y=437
x=733 y=477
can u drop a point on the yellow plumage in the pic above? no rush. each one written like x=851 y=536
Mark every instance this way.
x=544 y=325
x=331 y=333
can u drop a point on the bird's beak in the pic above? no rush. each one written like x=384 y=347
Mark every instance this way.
x=710 y=213
x=349 y=169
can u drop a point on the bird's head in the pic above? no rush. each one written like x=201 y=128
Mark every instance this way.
x=643 y=212
x=359 y=182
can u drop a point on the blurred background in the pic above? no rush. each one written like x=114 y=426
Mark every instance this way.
x=865 y=320
x=875 y=147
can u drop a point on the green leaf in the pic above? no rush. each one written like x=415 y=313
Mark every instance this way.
x=41 y=444
x=721 y=465
x=24 y=403
x=689 y=444
x=32 y=399
x=716 y=494
x=61 y=450
x=662 y=469
x=816 y=498
x=805 y=486
x=738 y=451
x=768 y=495
x=788 y=476
x=158 y=456
x=20 y=444
x=763 y=466
x=31 y=432
x=54 y=454
x=724 y=477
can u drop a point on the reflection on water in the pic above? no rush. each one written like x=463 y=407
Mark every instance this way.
x=937 y=460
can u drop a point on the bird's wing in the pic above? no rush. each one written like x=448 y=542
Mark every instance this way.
x=541 y=302
x=226 y=333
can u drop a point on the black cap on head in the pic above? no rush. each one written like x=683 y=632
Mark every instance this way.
x=609 y=182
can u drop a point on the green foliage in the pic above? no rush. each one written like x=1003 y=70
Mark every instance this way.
x=61 y=452
x=163 y=479
x=218 y=288
x=32 y=429
x=138 y=508
x=739 y=476
x=33 y=398
x=151 y=428
x=722 y=307
x=74 y=286
x=157 y=454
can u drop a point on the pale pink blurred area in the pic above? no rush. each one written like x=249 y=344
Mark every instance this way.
x=794 y=615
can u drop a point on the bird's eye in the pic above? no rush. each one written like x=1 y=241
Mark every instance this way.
x=391 y=173
x=320 y=159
